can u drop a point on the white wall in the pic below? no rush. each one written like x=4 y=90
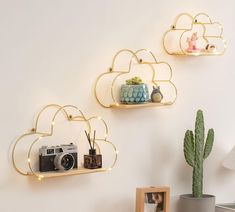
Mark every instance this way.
x=52 y=51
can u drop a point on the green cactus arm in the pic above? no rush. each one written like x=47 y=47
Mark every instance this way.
x=209 y=143
x=189 y=148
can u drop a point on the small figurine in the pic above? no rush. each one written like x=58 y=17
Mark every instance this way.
x=210 y=48
x=192 y=43
x=156 y=95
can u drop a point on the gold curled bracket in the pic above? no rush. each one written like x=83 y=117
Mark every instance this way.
x=75 y=116
x=134 y=57
x=204 y=21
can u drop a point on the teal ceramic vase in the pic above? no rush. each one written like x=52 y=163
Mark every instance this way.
x=134 y=94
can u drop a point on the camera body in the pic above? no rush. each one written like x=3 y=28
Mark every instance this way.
x=62 y=157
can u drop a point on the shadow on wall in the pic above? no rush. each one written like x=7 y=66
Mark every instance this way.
x=121 y=204
x=68 y=183
x=222 y=174
x=175 y=206
x=166 y=155
x=160 y=153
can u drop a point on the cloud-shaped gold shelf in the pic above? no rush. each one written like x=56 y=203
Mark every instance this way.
x=69 y=114
x=106 y=95
x=209 y=34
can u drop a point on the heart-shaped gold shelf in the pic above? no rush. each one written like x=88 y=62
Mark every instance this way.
x=69 y=114
x=114 y=74
x=209 y=36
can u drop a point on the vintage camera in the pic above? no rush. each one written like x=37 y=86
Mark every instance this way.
x=63 y=157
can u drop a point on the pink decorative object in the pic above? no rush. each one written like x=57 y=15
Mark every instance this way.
x=192 y=43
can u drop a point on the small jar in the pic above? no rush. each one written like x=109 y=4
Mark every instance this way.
x=92 y=161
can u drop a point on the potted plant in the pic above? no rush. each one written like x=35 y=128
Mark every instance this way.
x=196 y=150
x=135 y=91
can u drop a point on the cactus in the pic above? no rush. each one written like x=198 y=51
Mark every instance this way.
x=195 y=152
x=134 y=81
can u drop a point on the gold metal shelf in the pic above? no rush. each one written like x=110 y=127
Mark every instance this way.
x=114 y=73
x=147 y=104
x=79 y=171
x=202 y=20
x=71 y=114
x=196 y=53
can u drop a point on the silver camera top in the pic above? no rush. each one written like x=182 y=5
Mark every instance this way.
x=54 y=150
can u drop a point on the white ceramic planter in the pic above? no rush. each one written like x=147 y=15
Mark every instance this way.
x=188 y=203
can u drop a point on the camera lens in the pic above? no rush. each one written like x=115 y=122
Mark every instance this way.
x=67 y=161
x=64 y=162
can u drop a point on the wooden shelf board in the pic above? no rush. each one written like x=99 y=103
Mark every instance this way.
x=147 y=104
x=78 y=171
x=196 y=53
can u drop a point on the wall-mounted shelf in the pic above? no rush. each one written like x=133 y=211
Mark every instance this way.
x=129 y=106
x=67 y=114
x=209 y=41
x=115 y=75
x=196 y=53
x=72 y=172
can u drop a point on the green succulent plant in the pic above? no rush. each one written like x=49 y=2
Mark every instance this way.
x=134 y=81
x=196 y=150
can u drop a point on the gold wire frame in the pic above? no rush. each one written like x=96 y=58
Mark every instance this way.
x=40 y=135
x=206 y=38
x=134 y=57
